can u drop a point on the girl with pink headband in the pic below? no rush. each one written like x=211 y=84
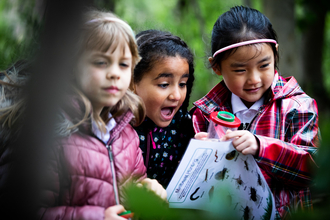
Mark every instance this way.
x=279 y=120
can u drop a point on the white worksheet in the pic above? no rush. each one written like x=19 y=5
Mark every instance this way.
x=210 y=170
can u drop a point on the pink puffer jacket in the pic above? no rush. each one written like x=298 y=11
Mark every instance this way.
x=80 y=183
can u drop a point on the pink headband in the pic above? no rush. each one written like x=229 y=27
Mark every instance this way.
x=244 y=43
x=112 y=19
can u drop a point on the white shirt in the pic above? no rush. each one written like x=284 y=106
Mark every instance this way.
x=242 y=112
x=109 y=126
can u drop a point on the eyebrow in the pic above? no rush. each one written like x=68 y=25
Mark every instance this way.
x=100 y=54
x=235 y=65
x=170 y=75
x=267 y=58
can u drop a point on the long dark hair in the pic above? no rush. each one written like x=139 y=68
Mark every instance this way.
x=155 y=45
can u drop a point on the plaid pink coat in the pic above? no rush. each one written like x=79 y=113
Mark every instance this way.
x=286 y=126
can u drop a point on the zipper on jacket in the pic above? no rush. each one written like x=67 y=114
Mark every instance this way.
x=114 y=180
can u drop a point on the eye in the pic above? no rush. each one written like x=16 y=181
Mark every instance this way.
x=183 y=84
x=163 y=85
x=124 y=65
x=264 y=65
x=100 y=63
x=239 y=71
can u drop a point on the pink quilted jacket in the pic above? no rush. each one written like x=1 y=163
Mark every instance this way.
x=80 y=183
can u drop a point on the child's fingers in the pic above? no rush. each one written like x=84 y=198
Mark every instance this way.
x=246 y=144
x=223 y=138
x=154 y=186
x=163 y=195
x=113 y=211
x=201 y=135
x=232 y=134
x=240 y=145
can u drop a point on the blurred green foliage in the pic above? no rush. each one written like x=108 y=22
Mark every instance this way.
x=19 y=27
x=326 y=55
x=192 y=21
x=147 y=206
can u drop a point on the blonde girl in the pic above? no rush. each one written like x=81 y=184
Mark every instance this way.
x=98 y=151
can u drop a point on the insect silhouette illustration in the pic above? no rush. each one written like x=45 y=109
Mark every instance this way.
x=221 y=174
x=202 y=194
x=216 y=156
x=239 y=181
x=253 y=195
x=246 y=165
x=211 y=191
x=231 y=155
x=192 y=198
x=229 y=199
x=259 y=179
x=260 y=182
x=246 y=213
x=206 y=175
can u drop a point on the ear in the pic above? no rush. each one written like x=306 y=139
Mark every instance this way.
x=215 y=68
x=132 y=87
x=277 y=47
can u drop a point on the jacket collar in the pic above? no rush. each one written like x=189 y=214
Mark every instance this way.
x=74 y=114
x=122 y=121
x=218 y=99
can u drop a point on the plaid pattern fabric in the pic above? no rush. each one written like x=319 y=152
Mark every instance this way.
x=286 y=126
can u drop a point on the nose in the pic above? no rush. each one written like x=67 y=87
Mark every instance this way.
x=175 y=94
x=113 y=72
x=254 y=77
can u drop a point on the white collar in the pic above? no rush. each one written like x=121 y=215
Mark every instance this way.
x=238 y=105
x=109 y=126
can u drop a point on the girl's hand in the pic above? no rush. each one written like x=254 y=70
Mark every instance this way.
x=201 y=136
x=243 y=141
x=112 y=212
x=154 y=186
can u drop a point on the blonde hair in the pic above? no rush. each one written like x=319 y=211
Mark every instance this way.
x=12 y=102
x=12 y=82
x=102 y=31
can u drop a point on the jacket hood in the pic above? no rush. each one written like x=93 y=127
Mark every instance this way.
x=11 y=92
x=13 y=81
x=285 y=87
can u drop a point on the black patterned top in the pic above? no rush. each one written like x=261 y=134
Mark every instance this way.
x=163 y=148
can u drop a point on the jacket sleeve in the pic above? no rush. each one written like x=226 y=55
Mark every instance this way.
x=52 y=185
x=291 y=160
x=200 y=123
x=72 y=212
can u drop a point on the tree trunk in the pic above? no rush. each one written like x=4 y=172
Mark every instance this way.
x=105 y=4
x=247 y=3
x=313 y=41
x=281 y=15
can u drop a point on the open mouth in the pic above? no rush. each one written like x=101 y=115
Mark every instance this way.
x=167 y=113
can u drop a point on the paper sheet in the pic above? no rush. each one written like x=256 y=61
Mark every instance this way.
x=212 y=169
